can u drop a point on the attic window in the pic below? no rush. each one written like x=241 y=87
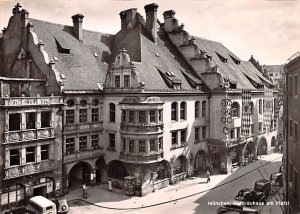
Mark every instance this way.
x=95 y=54
x=236 y=61
x=232 y=85
x=176 y=85
x=62 y=46
x=223 y=59
x=170 y=74
x=156 y=54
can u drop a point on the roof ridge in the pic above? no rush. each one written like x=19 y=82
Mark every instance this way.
x=63 y=25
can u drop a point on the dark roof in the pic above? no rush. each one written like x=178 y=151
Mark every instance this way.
x=274 y=68
x=234 y=68
x=81 y=68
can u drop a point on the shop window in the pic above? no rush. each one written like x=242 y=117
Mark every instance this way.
x=131 y=146
x=95 y=114
x=82 y=115
x=83 y=143
x=204 y=103
x=45 y=119
x=14 y=157
x=30 y=154
x=70 y=145
x=95 y=141
x=14 y=122
x=174 y=111
x=30 y=120
x=197 y=108
x=44 y=152
x=112 y=140
x=126 y=81
x=152 y=116
x=152 y=146
x=142 y=146
x=112 y=112
x=70 y=117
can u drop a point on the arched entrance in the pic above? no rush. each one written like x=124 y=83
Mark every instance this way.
x=80 y=173
x=163 y=170
x=249 y=151
x=200 y=161
x=117 y=170
x=273 y=142
x=262 y=148
x=101 y=170
x=44 y=186
x=180 y=165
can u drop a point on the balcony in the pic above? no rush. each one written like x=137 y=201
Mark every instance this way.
x=81 y=155
x=28 y=135
x=85 y=126
x=30 y=101
x=141 y=158
x=28 y=169
x=142 y=128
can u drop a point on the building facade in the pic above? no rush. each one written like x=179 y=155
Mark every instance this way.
x=150 y=102
x=292 y=161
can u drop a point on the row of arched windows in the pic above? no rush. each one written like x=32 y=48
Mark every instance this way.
x=183 y=110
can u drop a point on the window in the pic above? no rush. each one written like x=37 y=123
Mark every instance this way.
x=296 y=85
x=82 y=115
x=251 y=108
x=30 y=120
x=44 y=152
x=291 y=86
x=260 y=106
x=174 y=138
x=183 y=136
x=142 y=146
x=131 y=146
x=252 y=128
x=197 y=133
x=291 y=128
x=160 y=119
x=142 y=117
x=70 y=118
x=232 y=133
x=14 y=122
x=197 y=108
x=160 y=143
x=260 y=127
x=124 y=145
x=204 y=108
x=112 y=112
x=152 y=146
x=30 y=154
x=182 y=111
x=238 y=132
x=124 y=114
x=296 y=131
x=82 y=143
x=95 y=102
x=95 y=114
x=45 y=119
x=203 y=132
x=70 y=103
x=126 y=81
x=152 y=116
x=235 y=109
x=174 y=111
x=14 y=157
x=83 y=103
x=95 y=141
x=131 y=117
x=112 y=140
x=70 y=145
x=117 y=81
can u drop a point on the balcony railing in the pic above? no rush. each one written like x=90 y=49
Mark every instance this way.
x=79 y=155
x=140 y=158
x=29 y=169
x=31 y=101
x=142 y=128
x=27 y=135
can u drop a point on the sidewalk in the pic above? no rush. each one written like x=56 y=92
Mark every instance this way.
x=117 y=199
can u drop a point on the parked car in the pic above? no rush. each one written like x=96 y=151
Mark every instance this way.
x=249 y=195
x=263 y=186
x=61 y=204
x=277 y=178
x=236 y=207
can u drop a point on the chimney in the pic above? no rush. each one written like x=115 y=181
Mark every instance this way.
x=127 y=16
x=169 y=19
x=77 y=26
x=151 y=20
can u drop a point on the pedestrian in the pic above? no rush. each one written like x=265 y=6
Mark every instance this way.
x=258 y=153
x=84 y=190
x=208 y=176
x=109 y=185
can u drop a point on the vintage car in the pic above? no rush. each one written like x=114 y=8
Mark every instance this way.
x=236 y=207
x=249 y=195
x=61 y=204
x=263 y=186
x=277 y=178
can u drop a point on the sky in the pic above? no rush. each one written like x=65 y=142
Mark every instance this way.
x=267 y=29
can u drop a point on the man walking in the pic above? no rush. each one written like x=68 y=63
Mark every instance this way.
x=208 y=176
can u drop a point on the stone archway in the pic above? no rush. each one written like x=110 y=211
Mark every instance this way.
x=101 y=170
x=262 y=148
x=273 y=141
x=164 y=170
x=116 y=170
x=180 y=165
x=200 y=161
x=80 y=173
x=249 y=154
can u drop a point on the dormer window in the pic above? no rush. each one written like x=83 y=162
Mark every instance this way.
x=176 y=85
x=223 y=59
x=62 y=45
x=236 y=61
x=170 y=74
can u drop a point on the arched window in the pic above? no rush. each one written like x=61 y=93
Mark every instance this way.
x=182 y=110
x=197 y=108
x=260 y=106
x=174 y=111
x=112 y=112
x=70 y=103
x=204 y=108
x=235 y=109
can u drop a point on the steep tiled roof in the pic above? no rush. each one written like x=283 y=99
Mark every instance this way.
x=233 y=68
x=81 y=68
